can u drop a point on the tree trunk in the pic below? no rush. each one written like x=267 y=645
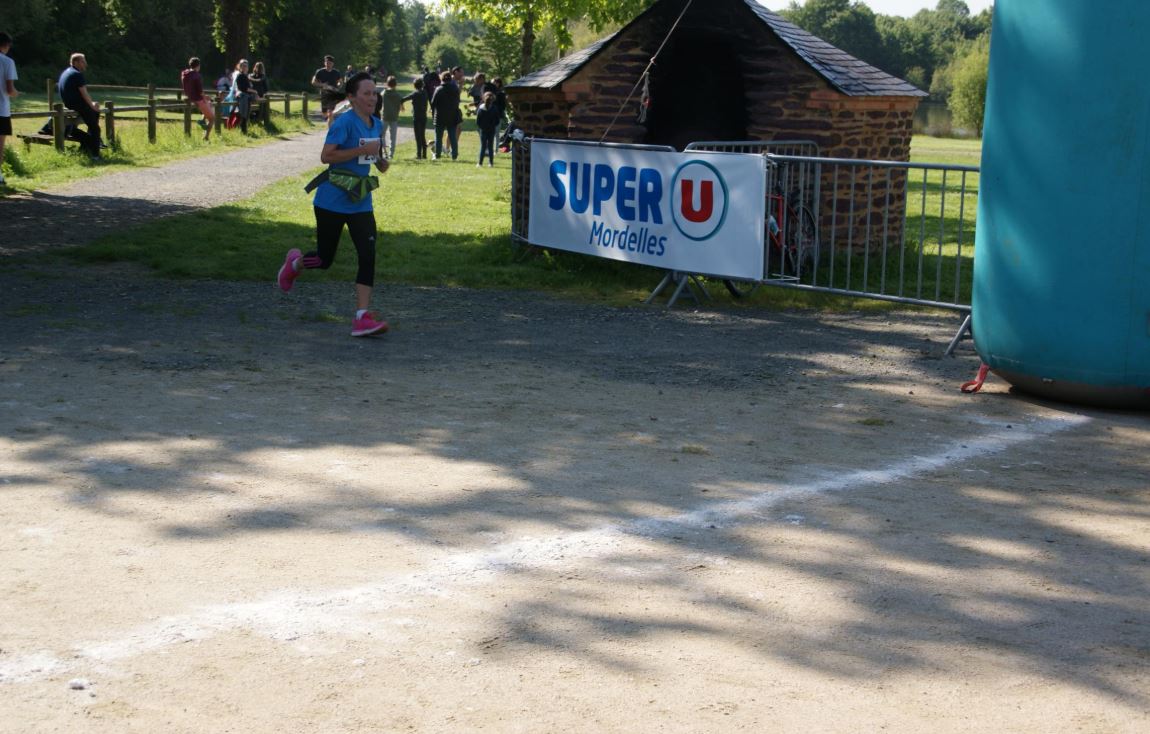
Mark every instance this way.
x=234 y=18
x=528 y=47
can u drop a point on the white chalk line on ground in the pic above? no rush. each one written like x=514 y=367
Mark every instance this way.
x=290 y=615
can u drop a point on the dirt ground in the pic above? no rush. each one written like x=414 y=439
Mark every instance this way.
x=518 y=514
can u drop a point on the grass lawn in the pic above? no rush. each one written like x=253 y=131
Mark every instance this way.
x=442 y=223
x=960 y=151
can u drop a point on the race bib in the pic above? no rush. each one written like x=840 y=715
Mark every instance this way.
x=369 y=159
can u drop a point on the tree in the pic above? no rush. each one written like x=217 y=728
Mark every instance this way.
x=445 y=51
x=968 y=98
x=239 y=23
x=232 y=28
x=847 y=24
x=422 y=26
x=906 y=50
x=526 y=18
x=18 y=17
x=496 y=52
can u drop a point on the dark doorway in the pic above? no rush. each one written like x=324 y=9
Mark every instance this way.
x=696 y=92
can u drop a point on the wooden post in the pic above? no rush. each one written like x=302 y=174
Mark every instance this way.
x=287 y=105
x=58 y=126
x=151 y=117
x=187 y=119
x=219 y=123
x=266 y=112
x=110 y=122
x=50 y=84
x=303 y=105
x=151 y=92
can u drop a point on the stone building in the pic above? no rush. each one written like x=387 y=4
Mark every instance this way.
x=730 y=70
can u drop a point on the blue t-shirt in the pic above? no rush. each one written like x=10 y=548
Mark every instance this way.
x=347 y=132
x=70 y=82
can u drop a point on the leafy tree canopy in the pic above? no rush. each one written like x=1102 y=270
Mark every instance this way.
x=526 y=18
x=911 y=48
x=969 y=73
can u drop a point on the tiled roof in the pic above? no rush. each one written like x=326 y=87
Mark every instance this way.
x=853 y=77
x=556 y=73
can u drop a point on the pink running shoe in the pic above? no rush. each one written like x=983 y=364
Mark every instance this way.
x=367 y=326
x=287 y=273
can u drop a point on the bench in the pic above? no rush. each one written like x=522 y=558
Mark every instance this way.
x=42 y=138
x=39 y=139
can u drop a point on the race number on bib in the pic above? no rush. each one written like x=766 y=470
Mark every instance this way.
x=369 y=159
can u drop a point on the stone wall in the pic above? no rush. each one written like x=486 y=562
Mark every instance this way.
x=540 y=112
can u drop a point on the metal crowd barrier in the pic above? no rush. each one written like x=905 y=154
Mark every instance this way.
x=887 y=230
x=890 y=230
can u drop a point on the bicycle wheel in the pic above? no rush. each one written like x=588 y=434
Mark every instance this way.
x=741 y=288
x=801 y=241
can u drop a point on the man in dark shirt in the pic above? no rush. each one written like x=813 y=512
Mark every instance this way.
x=74 y=94
x=446 y=115
x=431 y=81
x=326 y=78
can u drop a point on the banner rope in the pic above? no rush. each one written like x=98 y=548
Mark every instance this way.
x=646 y=71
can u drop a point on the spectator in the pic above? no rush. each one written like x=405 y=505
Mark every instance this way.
x=430 y=81
x=391 y=102
x=343 y=199
x=478 y=87
x=74 y=94
x=446 y=115
x=223 y=84
x=193 y=85
x=326 y=78
x=457 y=79
x=8 y=79
x=242 y=94
x=487 y=120
x=259 y=81
x=377 y=73
x=419 y=101
x=500 y=100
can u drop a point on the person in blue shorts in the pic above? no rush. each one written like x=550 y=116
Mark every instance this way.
x=343 y=199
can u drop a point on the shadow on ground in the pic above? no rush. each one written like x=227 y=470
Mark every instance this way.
x=677 y=409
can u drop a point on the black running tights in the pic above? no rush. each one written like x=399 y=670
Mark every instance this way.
x=329 y=228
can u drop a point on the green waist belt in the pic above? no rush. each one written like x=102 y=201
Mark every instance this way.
x=355 y=186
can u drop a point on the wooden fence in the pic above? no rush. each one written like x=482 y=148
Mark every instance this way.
x=61 y=116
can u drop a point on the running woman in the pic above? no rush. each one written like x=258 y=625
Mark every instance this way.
x=354 y=142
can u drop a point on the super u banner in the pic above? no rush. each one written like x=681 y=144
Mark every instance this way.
x=693 y=212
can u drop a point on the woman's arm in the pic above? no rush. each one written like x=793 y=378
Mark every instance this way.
x=332 y=153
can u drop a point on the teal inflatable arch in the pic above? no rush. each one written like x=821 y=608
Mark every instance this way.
x=1061 y=303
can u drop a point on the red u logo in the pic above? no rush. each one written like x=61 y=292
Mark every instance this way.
x=706 y=200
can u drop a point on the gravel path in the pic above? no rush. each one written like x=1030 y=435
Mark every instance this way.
x=517 y=513
x=86 y=210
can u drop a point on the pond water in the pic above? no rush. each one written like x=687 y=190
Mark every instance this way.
x=934 y=118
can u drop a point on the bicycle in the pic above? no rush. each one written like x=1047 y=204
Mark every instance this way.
x=795 y=241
